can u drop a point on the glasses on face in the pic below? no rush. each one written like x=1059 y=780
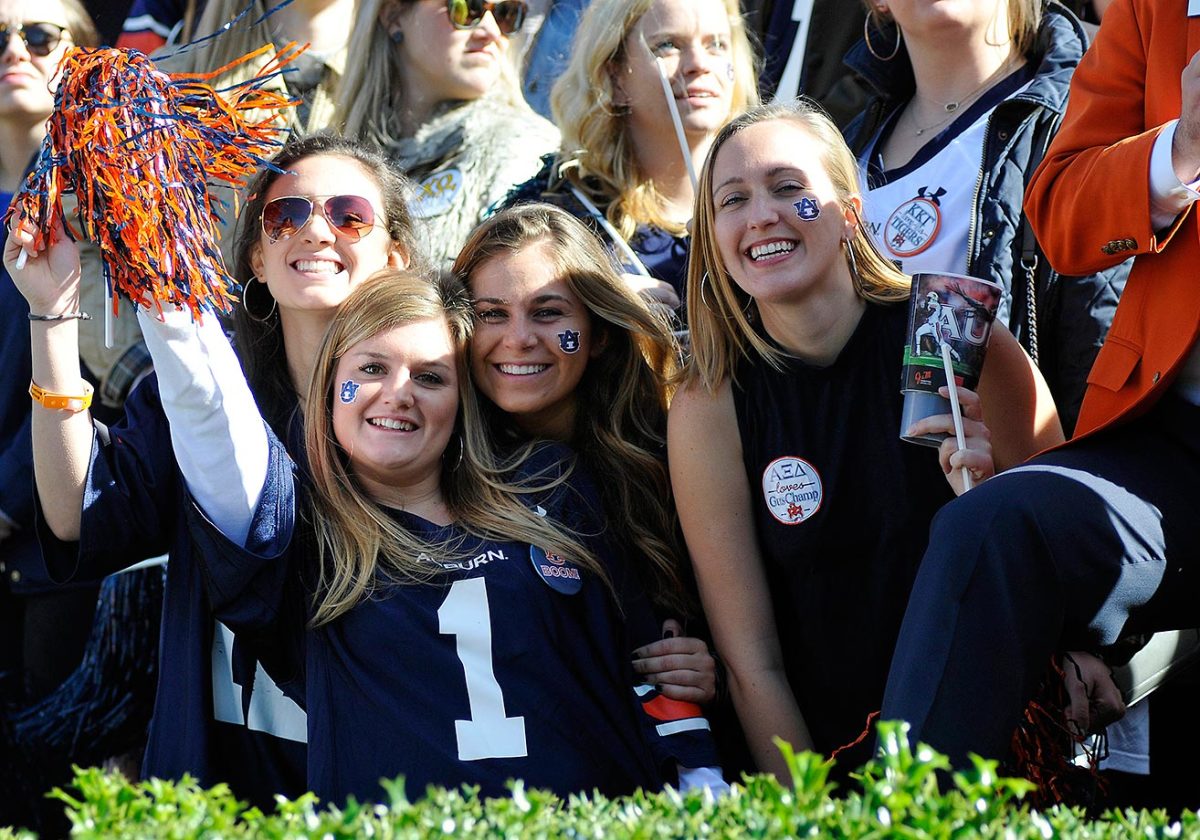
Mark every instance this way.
x=350 y=215
x=466 y=14
x=40 y=39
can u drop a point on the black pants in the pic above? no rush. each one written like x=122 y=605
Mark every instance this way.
x=1075 y=549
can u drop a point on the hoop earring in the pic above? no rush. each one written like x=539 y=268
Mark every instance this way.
x=852 y=262
x=708 y=306
x=246 y=306
x=867 y=39
x=462 y=446
x=703 y=298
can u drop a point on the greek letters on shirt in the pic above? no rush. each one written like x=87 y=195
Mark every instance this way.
x=792 y=489
x=914 y=225
x=436 y=193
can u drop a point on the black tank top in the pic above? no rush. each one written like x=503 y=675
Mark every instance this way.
x=842 y=510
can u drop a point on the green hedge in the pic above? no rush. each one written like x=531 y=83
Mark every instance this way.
x=896 y=795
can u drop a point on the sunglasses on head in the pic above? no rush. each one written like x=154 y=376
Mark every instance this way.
x=466 y=14
x=40 y=38
x=350 y=215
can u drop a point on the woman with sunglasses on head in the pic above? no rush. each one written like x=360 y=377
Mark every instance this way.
x=438 y=92
x=620 y=164
x=446 y=615
x=564 y=351
x=804 y=513
x=329 y=213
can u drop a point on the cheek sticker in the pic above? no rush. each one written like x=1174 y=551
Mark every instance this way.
x=729 y=71
x=349 y=391
x=569 y=341
x=807 y=209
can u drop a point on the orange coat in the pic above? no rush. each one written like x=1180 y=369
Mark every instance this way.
x=1089 y=203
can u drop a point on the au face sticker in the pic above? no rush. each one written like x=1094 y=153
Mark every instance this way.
x=348 y=393
x=568 y=340
x=807 y=209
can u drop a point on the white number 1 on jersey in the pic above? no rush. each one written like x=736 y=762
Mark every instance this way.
x=488 y=734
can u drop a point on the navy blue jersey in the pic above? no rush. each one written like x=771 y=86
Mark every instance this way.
x=218 y=715
x=512 y=663
x=842 y=509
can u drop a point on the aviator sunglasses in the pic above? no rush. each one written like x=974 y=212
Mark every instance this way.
x=350 y=215
x=40 y=38
x=466 y=14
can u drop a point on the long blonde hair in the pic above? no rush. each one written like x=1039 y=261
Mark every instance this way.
x=597 y=155
x=621 y=422
x=370 y=99
x=359 y=545
x=719 y=311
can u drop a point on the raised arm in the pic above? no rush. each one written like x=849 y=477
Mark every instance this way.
x=713 y=497
x=62 y=437
x=217 y=434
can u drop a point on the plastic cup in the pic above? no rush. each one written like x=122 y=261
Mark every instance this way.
x=957 y=310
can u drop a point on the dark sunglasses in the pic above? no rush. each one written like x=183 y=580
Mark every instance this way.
x=40 y=38
x=350 y=215
x=466 y=14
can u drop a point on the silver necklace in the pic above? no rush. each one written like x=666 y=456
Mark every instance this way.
x=952 y=108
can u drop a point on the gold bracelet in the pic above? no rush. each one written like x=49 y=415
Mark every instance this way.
x=64 y=402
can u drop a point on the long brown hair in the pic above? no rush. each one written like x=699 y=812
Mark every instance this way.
x=620 y=427
x=258 y=333
x=719 y=311
x=359 y=545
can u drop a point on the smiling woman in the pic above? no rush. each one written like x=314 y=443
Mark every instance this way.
x=303 y=245
x=435 y=604
x=565 y=351
x=783 y=442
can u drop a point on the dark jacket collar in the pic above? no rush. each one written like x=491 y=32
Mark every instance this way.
x=1060 y=45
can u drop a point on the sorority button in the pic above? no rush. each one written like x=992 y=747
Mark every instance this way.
x=558 y=573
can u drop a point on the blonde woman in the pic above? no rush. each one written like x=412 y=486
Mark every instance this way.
x=436 y=90
x=444 y=616
x=619 y=154
x=804 y=513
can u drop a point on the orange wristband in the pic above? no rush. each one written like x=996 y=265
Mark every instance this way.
x=65 y=402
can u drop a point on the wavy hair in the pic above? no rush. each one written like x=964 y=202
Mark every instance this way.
x=259 y=337
x=597 y=155
x=359 y=545
x=721 y=328
x=623 y=395
x=370 y=101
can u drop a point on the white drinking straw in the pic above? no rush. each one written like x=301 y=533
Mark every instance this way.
x=955 y=409
x=618 y=241
x=679 y=135
x=108 y=318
